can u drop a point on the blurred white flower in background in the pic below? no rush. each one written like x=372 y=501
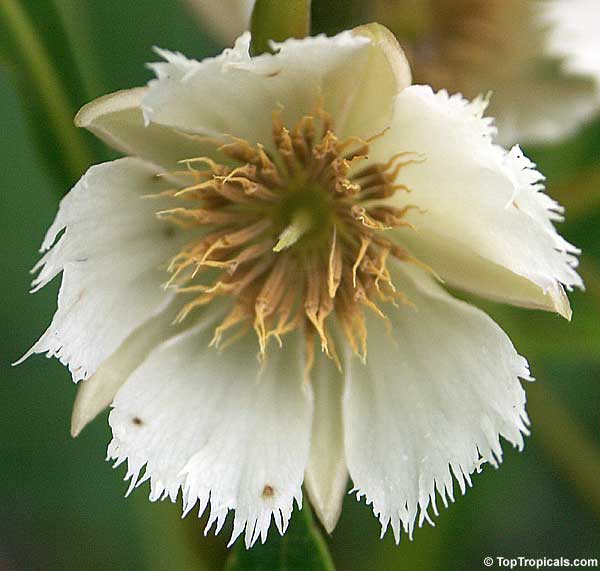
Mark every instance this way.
x=302 y=207
x=573 y=35
x=540 y=59
x=225 y=20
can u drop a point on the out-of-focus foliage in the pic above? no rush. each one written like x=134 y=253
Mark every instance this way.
x=62 y=504
x=35 y=46
x=302 y=547
x=277 y=21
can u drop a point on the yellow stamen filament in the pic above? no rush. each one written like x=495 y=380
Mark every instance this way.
x=365 y=242
x=334 y=273
x=269 y=298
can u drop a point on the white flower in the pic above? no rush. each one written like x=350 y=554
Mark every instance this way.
x=289 y=202
x=539 y=58
x=225 y=20
x=573 y=35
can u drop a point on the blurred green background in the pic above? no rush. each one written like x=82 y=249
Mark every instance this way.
x=62 y=505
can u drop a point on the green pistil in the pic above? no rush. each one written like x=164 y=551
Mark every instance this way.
x=301 y=223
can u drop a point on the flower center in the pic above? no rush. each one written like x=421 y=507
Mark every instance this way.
x=294 y=234
x=304 y=217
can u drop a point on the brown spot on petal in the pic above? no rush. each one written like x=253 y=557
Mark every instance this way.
x=137 y=421
x=268 y=491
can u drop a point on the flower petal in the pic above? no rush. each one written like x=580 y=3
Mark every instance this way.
x=430 y=403
x=110 y=248
x=326 y=474
x=118 y=120
x=354 y=75
x=480 y=204
x=465 y=269
x=214 y=426
x=97 y=392
x=386 y=73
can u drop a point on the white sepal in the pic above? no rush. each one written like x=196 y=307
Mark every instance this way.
x=326 y=474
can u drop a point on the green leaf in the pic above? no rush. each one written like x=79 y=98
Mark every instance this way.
x=301 y=547
x=278 y=20
x=34 y=43
x=331 y=17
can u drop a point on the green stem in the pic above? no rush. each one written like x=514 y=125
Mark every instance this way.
x=45 y=78
x=318 y=542
x=278 y=20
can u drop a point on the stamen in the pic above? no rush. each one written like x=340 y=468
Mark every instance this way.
x=317 y=303
x=334 y=273
x=284 y=325
x=240 y=313
x=269 y=298
x=238 y=238
x=365 y=242
x=295 y=235
x=360 y=213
